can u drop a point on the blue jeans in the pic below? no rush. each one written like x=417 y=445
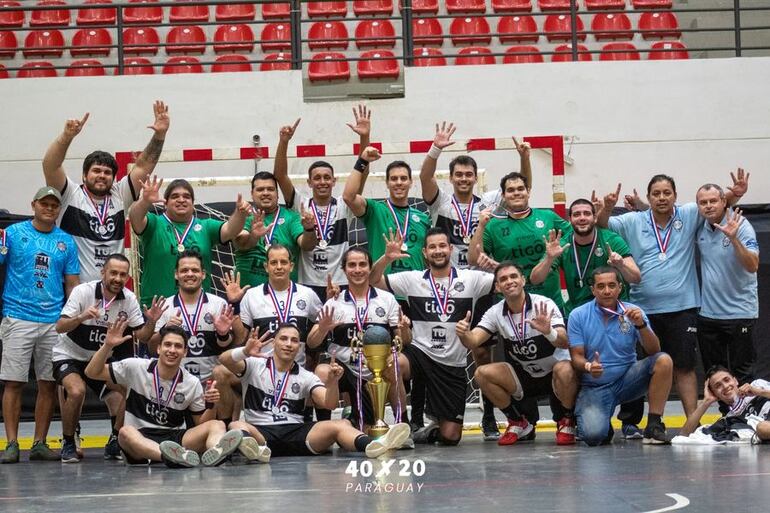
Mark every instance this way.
x=595 y=405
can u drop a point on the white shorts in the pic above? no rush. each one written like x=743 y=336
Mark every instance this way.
x=22 y=342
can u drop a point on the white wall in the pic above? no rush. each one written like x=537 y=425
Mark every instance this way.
x=696 y=120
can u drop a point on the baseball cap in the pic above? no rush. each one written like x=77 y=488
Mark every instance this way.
x=47 y=191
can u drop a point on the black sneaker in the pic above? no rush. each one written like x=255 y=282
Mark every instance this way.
x=112 y=449
x=490 y=429
x=655 y=434
x=69 y=452
x=426 y=435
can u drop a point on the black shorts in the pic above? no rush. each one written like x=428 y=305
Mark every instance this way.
x=349 y=383
x=446 y=385
x=678 y=334
x=730 y=343
x=64 y=368
x=530 y=389
x=157 y=436
x=288 y=439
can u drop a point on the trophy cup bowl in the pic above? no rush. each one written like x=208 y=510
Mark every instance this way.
x=377 y=348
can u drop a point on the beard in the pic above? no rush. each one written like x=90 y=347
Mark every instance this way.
x=439 y=264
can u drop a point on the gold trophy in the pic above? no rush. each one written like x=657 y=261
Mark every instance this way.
x=377 y=347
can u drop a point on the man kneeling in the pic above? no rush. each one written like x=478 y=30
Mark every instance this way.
x=607 y=330
x=275 y=389
x=160 y=392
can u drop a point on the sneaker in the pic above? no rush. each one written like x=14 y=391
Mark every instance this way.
x=408 y=444
x=391 y=440
x=78 y=441
x=112 y=449
x=252 y=451
x=565 y=431
x=631 y=432
x=347 y=411
x=176 y=456
x=11 y=453
x=69 y=453
x=517 y=430
x=426 y=435
x=414 y=426
x=490 y=429
x=656 y=435
x=41 y=452
x=224 y=447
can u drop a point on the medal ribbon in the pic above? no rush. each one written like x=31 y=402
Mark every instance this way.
x=321 y=227
x=582 y=273
x=156 y=382
x=278 y=394
x=620 y=313
x=401 y=232
x=283 y=315
x=662 y=242
x=519 y=330
x=192 y=325
x=466 y=221
x=3 y=243
x=360 y=317
x=101 y=212
x=106 y=304
x=436 y=289
x=180 y=238
x=269 y=235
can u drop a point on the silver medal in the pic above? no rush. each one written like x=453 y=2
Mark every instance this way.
x=467 y=239
x=625 y=327
x=180 y=247
x=662 y=256
x=3 y=250
x=192 y=341
x=102 y=230
x=322 y=244
x=443 y=317
x=404 y=247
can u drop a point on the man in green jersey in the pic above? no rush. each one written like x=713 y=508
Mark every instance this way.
x=270 y=224
x=391 y=215
x=518 y=233
x=164 y=237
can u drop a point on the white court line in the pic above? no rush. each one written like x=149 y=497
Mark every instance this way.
x=151 y=494
x=681 y=502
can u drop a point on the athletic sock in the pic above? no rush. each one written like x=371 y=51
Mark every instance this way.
x=653 y=418
x=569 y=413
x=361 y=442
x=489 y=408
x=323 y=414
x=246 y=433
x=511 y=412
x=69 y=438
x=113 y=420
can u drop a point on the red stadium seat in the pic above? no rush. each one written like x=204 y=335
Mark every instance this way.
x=512 y=5
x=137 y=66
x=553 y=5
x=470 y=31
x=37 y=69
x=276 y=36
x=8 y=44
x=85 y=68
x=653 y=4
x=96 y=16
x=276 y=62
x=140 y=36
x=11 y=18
x=557 y=27
x=668 y=50
x=235 y=12
x=327 y=9
x=48 y=43
x=605 y=5
x=522 y=55
x=91 y=41
x=474 y=55
x=383 y=64
x=424 y=57
x=517 y=29
x=619 y=52
x=231 y=64
x=150 y=14
x=611 y=26
x=328 y=34
x=373 y=7
x=427 y=32
x=187 y=39
x=564 y=53
x=182 y=65
x=3 y=72
x=456 y=6
x=382 y=30
x=56 y=18
x=659 y=25
x=188 y=13
x=323 y=69
x=276 y=11
x=422 y=6
x=233 y=38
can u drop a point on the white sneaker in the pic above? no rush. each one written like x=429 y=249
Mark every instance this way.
x=252 y=451
x=393 y=439
x=223 y=448
x=174 y=455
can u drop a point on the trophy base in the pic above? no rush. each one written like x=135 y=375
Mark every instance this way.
x=379 y=429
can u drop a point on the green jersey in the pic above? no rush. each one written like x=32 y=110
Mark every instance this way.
x=523 y=242
x=378 y=219
x=159 y=249
x=251 y=262
x=578 y=288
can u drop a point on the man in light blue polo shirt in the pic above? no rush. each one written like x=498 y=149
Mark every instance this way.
x=606 y=331
x=729 y=255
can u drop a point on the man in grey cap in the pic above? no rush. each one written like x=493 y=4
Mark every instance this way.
x=41 y=269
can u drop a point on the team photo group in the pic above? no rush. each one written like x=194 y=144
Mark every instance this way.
x=197 y=366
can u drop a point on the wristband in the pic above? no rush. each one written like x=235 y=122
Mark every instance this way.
x=236 y=308
x=434 y=152
x=224 y=337
x=587 y=366
x=361 y=165
x=552 y=335
x=644 y=325
x=238 y=354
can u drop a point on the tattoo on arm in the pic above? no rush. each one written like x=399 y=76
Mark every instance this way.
x=152 y=151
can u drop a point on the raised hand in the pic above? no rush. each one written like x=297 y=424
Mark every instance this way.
x=484 y=261
x=553 y=247
x=115 y=335
x=287 y=132
x=524 y=148
x=634 y=202
x=211 y=394
x=444 y=134
x=307 y=218
x=326 y=320
x=542 y=319
x=708 y=395
x=363 y=123
x=258 y=228
x=232 y=284
x=740 y=183
x=162 y=119
x=255 y=343
x=597 y=202
x=747 y=389
x=370 y=154
x=223 y=322
x=243 y=206
x=332 y=290
x=92 y=312
x=157 y=308
x=611 y=199
x=176 y=319
x=151 y=189
x=734 y=220
x=595 y=369
x=614 y=259
x=393 y=243
x=463 y=327
x=72 y=127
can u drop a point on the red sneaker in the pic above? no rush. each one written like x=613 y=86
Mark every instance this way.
x=565 y=431
x=517 y=430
